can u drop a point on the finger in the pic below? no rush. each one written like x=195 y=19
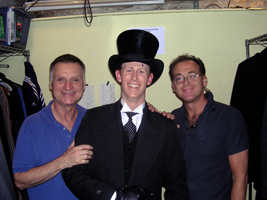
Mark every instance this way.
x=83 y=159
x=84 y=146
x=80 y=153
x=164 y=113
x=87 y=152
x=170 y=116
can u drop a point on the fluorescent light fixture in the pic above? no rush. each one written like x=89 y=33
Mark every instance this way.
x=68 y=4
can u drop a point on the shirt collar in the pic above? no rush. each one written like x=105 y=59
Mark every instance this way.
x=209 y=96
x=126 y=108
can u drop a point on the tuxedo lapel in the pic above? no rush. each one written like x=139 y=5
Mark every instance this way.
x=148 y=141
x=111 y=143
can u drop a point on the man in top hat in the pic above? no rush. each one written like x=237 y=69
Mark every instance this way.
x=136 y=151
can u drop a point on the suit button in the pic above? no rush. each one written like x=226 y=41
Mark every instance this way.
x=128 y=159
x=126 y=171
x=129 y=147
x=98 y=192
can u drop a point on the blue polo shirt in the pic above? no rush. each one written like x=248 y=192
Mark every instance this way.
x=42 y=139
x=219 y=132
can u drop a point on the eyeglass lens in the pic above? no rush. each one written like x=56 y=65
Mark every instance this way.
x=191 y=77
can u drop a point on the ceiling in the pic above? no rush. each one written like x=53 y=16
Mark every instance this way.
x=168 y=5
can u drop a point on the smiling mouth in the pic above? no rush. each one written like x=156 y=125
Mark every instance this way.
x=134 y=86
x=68 y=94
x=188 y=89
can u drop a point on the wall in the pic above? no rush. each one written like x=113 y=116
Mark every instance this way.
x=217 y=37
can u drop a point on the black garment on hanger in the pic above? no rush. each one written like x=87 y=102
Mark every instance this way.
x=6 y=184
x=264 y=153
x=32 y=93
x=15 y=106
x=7 y=148
x=249 y=96
x=5 y=130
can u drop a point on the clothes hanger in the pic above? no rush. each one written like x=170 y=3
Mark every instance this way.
x=4 y=66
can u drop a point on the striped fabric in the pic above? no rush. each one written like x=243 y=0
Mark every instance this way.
x=32 y=94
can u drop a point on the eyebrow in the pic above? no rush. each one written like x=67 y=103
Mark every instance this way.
x=187 y=73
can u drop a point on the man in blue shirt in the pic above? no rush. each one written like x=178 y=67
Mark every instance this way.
x=213 y=135
x=45 y=142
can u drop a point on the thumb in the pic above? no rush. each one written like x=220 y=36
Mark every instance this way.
x=72 y=144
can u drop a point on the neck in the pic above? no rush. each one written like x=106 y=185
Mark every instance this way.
x=65 y=115
x=133 y=103
x=194 y=110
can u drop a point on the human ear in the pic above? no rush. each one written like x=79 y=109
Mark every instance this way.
x=173 y=87
x=50 y=86
x=205 y=81
x=118 y=75
x=150 y=78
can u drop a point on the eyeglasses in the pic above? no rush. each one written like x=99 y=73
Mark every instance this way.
x=191 y=77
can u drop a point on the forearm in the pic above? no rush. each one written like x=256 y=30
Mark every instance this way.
x=239 y=166
x=37 y=175
x=239 y=188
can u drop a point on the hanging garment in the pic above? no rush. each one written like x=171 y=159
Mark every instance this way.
x=7 y=148
x=11 y=117
x=5 y=127
x=15 y=106
x=264 y=153
x=7 y=191
x=22 y=101
x=32 y=93
x=249 y=96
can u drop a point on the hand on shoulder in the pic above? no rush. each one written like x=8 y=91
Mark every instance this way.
x=164 y=113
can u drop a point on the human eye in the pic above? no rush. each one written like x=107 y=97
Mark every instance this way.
x=75 y=80
x=128 y=70
x=142 y=71
x=192 y=76
x=60 y=79
x=179 y=79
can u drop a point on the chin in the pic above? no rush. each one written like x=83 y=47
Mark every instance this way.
x=69 y=102
x=185 y=99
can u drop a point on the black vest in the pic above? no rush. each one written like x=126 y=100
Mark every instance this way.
x=129 y=150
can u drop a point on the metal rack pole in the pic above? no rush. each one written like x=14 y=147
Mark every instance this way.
x=7 y=51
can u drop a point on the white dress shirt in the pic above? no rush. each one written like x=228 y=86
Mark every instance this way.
x=137 y=119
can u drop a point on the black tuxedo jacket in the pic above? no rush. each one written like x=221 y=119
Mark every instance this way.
x=158 y=160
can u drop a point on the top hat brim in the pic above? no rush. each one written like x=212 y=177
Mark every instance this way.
x=156 y=65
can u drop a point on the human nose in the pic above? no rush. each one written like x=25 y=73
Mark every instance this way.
x=68 y=85
x=134 y=75
x=186 y=81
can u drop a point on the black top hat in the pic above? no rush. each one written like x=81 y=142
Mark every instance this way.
x=139 y=46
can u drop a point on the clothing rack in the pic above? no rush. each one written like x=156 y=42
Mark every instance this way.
x=260 y=40
x=7 y=51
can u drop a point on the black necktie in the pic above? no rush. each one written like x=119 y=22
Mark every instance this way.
x=129 y=127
